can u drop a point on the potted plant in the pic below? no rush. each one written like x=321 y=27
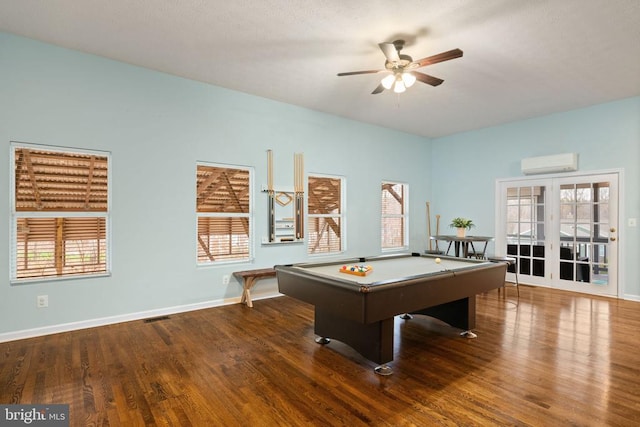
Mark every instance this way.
x=461 y=224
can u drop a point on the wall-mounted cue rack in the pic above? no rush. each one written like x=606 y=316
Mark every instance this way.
x=285 y=207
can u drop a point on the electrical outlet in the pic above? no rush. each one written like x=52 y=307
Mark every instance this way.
x=42 y=301
x=225 y=279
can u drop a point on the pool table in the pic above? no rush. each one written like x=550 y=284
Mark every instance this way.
x=360 y=310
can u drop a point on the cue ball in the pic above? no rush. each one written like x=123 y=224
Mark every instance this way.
x=438 y=260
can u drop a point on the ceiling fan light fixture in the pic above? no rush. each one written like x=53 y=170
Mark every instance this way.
x=408 y=79
x=399 y=87
x=399 y=69
x=388 y=81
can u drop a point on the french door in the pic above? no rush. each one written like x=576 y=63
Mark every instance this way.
x=562 y=231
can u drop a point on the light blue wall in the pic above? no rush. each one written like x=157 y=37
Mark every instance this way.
x=157 y=127
x=606 y=136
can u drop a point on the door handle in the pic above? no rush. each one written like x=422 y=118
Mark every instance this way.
x=613 y=239
x=612 y=229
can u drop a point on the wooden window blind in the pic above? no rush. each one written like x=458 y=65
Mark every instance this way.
x=393 y=231
x=223 y=212
x=325 y=214
x=59 y=213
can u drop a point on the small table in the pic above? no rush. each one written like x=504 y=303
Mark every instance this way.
x=249 y=278
x=465 y=243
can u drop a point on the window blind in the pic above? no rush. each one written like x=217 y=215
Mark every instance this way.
x=49 y=247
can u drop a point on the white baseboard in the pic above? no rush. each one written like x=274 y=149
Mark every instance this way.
x=103 y=321
x=632 y=297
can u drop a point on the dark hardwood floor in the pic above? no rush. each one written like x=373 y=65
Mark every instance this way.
x=550 y=358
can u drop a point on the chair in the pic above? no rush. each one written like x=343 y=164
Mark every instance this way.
x=512 y=262
x=473 y=253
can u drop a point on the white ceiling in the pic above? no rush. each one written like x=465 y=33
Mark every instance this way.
x=522 y=58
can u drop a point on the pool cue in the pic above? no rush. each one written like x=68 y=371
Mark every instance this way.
x=429 y=224
x=301 y=195
x=297 y=182
x=295 y=193
x=270 y=197
x=437 y=230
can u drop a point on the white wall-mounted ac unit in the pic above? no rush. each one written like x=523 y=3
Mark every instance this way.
x=566 y=162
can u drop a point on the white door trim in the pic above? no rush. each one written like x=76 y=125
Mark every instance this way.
x=500 y=235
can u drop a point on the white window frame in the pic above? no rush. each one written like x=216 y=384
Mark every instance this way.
x=404 y=216
x=15 y=215
x=251 y=243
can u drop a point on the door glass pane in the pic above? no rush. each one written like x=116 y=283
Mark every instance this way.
x=525 y=213
x=582 y=272
x=601 y=232
x=567 y=193
x=525 y=228
x=601 y=212
x=603 y=191
x=584 y=231
x=584 y=192
x=599 y=254
x=538 y=267
x=567 y=212
x=583 y=212
x=566 y=270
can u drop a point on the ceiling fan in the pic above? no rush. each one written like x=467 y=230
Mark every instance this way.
x=402 y=68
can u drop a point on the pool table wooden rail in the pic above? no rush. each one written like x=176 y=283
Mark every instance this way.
x=348 y=300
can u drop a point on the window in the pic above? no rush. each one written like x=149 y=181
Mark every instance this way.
x=326 y=220
x=223 y=211
x=394 y=215
x=60 y=212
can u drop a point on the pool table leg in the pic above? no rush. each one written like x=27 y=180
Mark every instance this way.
x=383 y=370
x=468 y=334
x=459 y=314
x=374 y=340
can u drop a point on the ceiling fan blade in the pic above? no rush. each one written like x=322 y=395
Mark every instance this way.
x=441 y=57
x=378 y=89
x=353 y=73
x=426 y=78
x=390 y=52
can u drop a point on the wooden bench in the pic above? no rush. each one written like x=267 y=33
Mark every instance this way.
x=249 y=278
